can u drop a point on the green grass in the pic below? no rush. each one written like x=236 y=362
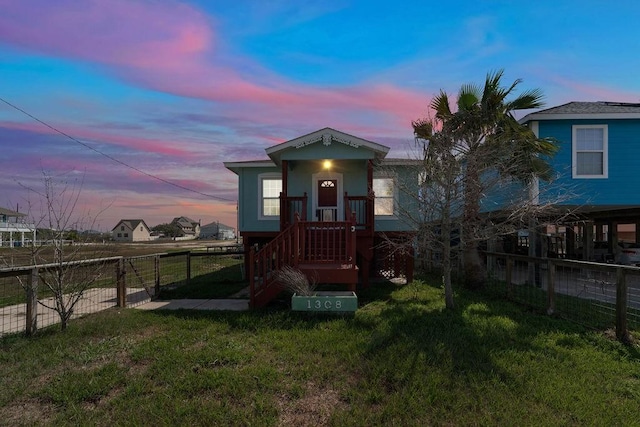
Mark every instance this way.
x=402 y=359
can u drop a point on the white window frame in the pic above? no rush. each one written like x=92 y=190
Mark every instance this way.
x=604 y=151
x=261 y=178
x=394 y=196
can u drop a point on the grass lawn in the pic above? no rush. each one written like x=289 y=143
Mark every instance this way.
x=402 y=359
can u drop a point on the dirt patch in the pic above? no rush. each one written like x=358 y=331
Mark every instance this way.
x=26 y=412
x=312 y=409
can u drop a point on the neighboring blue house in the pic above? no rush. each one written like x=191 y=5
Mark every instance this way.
x=596 y=165
x=325 y=203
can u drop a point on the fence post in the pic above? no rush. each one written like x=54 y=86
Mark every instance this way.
x=156 y=270
x=622 y=333
x=188 y=267
x=32 y=303
x=551 y=287
x=252 y=280
x=121 y=283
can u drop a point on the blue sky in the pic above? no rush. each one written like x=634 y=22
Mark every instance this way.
x=174 y=88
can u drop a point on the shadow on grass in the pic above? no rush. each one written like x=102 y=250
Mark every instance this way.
x=218 y=284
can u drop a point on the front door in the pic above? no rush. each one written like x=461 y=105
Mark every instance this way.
x=327 y=200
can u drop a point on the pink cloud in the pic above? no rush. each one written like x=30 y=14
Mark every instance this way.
x=169 y=46
x=586 y=91
x=119 y=32
x=90 y=136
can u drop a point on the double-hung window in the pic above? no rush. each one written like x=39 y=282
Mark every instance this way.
x=384 y=190
x=270 y=189
x=590 y=151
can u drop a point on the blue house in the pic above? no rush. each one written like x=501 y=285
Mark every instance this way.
x=596 y=166
x=327 y=203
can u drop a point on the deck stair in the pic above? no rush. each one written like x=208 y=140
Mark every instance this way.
x=324 y=251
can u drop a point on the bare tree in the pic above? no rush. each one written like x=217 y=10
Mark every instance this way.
x=64 y=273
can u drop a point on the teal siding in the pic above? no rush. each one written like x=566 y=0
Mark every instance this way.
x=300 y=180
x=623 y=152
x=405 y=207
x=249 y=200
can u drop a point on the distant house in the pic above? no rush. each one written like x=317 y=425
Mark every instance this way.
x=188 y=227
x=13 y=228
x=131 y=230
x=215 y=230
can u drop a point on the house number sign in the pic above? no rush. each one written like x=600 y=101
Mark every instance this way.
x=327 y=304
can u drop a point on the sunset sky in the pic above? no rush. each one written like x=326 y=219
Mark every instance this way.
x=171 y=89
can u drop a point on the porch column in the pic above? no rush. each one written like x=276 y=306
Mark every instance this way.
x=285 y=176
x=570 y=241
x=587 y=241
x=369 y=176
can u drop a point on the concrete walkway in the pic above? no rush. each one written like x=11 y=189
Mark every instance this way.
x=14 y=318
x=197 y=304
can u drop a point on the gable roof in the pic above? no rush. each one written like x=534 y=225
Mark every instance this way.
x=327 y=136
x=131 y=223
x=587 y=110
x=186 y=221
x=10 y=213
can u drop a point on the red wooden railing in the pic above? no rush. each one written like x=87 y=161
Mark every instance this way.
x=360 y=207
x=303 y=242
x=290 y=206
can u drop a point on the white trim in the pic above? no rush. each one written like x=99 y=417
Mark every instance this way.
x=578 y=116
x=605 y=152
x=262 y=177
x=321 y=176
x=394 y=178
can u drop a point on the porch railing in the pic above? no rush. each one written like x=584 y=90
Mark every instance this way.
x=361 y=208
x=290 y=207
x=303 y=242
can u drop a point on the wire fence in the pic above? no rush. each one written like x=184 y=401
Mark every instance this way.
x=598 y=295
x=34 y=297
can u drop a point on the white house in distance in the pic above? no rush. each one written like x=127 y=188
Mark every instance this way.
x=216 y=230
x=13 y=228
x=131 y=230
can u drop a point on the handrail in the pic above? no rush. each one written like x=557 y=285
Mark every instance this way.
x=303 y=242
x=270 y=258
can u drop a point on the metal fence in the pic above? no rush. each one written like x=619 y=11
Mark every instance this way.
x=28 y=294
x=599 y=295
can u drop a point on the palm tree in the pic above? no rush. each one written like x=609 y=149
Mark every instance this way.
x=485 y=133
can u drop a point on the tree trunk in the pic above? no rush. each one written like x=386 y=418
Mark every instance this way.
x=474 y=270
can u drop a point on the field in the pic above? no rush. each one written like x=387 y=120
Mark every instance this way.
x=402 y=359
x=22 y=256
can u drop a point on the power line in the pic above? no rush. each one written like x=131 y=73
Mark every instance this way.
x=223 y=199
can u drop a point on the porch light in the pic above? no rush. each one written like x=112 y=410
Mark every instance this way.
x=326 y=164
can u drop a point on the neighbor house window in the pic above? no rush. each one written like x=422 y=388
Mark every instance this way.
x=270 y=187
x=119 y=234
x=122 y=228
x=384 y=188
x=590 y=151
x=126 y=234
